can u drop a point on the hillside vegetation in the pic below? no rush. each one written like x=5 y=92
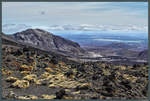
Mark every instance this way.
x=30 y=73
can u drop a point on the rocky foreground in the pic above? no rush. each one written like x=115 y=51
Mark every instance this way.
x=28 y=74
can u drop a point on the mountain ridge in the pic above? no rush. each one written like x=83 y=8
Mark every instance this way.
x=48 y=41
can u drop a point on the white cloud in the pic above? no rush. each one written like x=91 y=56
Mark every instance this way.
x=11 y=28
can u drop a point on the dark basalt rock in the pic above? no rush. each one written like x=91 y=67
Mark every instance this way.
x=94 y=97
x=81 y=68
x=17 y=53
x=25 y=49
x=145 y=91
x=95 y=77
x=69 y=73
x=82 y=88
x=29 y=60
x=44 y=83
x=43 y=65
x=54 y=60
x=8 y=60
x=109 y=89
x=136 y=66
x=107 y=67
x=60 y=94
x=126 y=84
x=107 y=94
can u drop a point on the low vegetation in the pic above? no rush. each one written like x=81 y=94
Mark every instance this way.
x=29 y=75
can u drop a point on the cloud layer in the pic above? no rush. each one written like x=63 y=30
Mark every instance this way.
x=12 y=28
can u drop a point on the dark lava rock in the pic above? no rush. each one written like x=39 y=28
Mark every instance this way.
x=145 y=91
x=54 y=60
x=17 y=53
x=33 y=53
x=95 y=77
x=29 y=60
x=73 y=66
x=136 y=65
x=82 y=88
x=108 y=94
x=60 y=94
x=109 y=89
x=28 y=54
x=80 y=68
x=42 y=57
x=42 y=65
x=107 y=67
x=69 y=73
x=126 y=84
x=8 y=60
x=94 y=97
x=25 y=49
x=106 y=81
x=44 y=83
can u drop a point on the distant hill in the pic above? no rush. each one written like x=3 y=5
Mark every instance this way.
x=143 y=54
x=118 y=45
x=47 y=41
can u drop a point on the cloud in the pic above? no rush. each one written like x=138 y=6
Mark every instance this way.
x=12 y=28
x=113 y=40
x=74 y=13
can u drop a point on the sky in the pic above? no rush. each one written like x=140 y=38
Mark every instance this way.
x=76 y=13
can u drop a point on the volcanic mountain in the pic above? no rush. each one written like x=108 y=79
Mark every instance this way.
x=47 y=41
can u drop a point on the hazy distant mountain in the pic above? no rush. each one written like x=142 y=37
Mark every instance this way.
x=47 y=41
x=143 y=54
x=119 y=46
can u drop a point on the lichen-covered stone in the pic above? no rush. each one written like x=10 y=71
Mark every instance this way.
x=25 y=72
x=44 y=96
x=26 y=68
x=21 y=84
x=31 y=77
x=6 y=72
x=48 y=69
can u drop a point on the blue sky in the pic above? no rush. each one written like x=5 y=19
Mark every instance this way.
x=51 y=13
